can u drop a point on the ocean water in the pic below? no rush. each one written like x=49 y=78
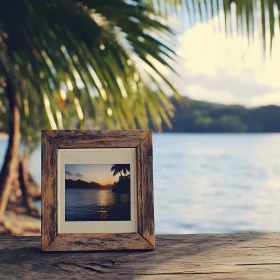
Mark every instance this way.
x=211 y=182
x=96 y=205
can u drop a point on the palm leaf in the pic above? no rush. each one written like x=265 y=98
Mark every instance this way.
x=247 y=14
x=77 y=55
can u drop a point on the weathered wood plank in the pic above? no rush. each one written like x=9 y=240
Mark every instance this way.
x=82 y=139
x=202 y=256
x=49 y=190
x=98 y=241
x=145 y=190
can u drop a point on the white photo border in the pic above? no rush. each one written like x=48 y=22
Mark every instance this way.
x=96 y=156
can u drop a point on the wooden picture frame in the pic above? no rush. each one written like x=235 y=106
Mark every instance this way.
x=141 y=141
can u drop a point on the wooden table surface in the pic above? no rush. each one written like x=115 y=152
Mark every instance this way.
x=195 y=256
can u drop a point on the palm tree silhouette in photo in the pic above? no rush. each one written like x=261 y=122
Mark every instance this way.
x=123 y=184
x=121 y=169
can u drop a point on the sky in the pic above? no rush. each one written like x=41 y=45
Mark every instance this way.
x=99 y=173
x=217 y=68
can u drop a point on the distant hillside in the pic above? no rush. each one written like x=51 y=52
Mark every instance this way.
x=200 y=116
x=80 y=184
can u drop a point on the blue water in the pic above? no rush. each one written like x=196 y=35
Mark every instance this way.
x=212 y=182
x=96 y=205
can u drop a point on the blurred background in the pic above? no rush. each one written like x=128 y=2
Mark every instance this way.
x=203 y=74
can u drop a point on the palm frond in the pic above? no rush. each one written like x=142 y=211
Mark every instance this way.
x=247 y=15
x=78 y=57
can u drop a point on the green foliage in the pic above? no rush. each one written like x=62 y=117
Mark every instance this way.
x=94 y=63
x=199 y=116
x=86 y=60
x=248 y=13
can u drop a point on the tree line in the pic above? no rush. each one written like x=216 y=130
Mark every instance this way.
x=205 y=117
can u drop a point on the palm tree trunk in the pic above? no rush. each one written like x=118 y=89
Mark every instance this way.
x=9 y=168
x=23 y=181
x=25 y=187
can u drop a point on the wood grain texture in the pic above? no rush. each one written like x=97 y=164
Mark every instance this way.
x=49 y=190
x=99 y=242
x=52 y=140
x=82 y=139
x=204 y=256
x=145 y=190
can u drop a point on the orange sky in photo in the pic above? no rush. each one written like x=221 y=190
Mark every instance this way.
x=99 y=173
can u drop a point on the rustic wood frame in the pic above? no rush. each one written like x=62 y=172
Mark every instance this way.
x=141 y=140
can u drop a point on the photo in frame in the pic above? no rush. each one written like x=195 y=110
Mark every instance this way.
x=97 y=190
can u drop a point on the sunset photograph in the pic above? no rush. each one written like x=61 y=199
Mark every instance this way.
x=97 y=192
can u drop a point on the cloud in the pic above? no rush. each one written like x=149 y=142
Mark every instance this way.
x=270 y=98
x=198 y=92
x=68 y=173
x=223 y=69
x=79 y=175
